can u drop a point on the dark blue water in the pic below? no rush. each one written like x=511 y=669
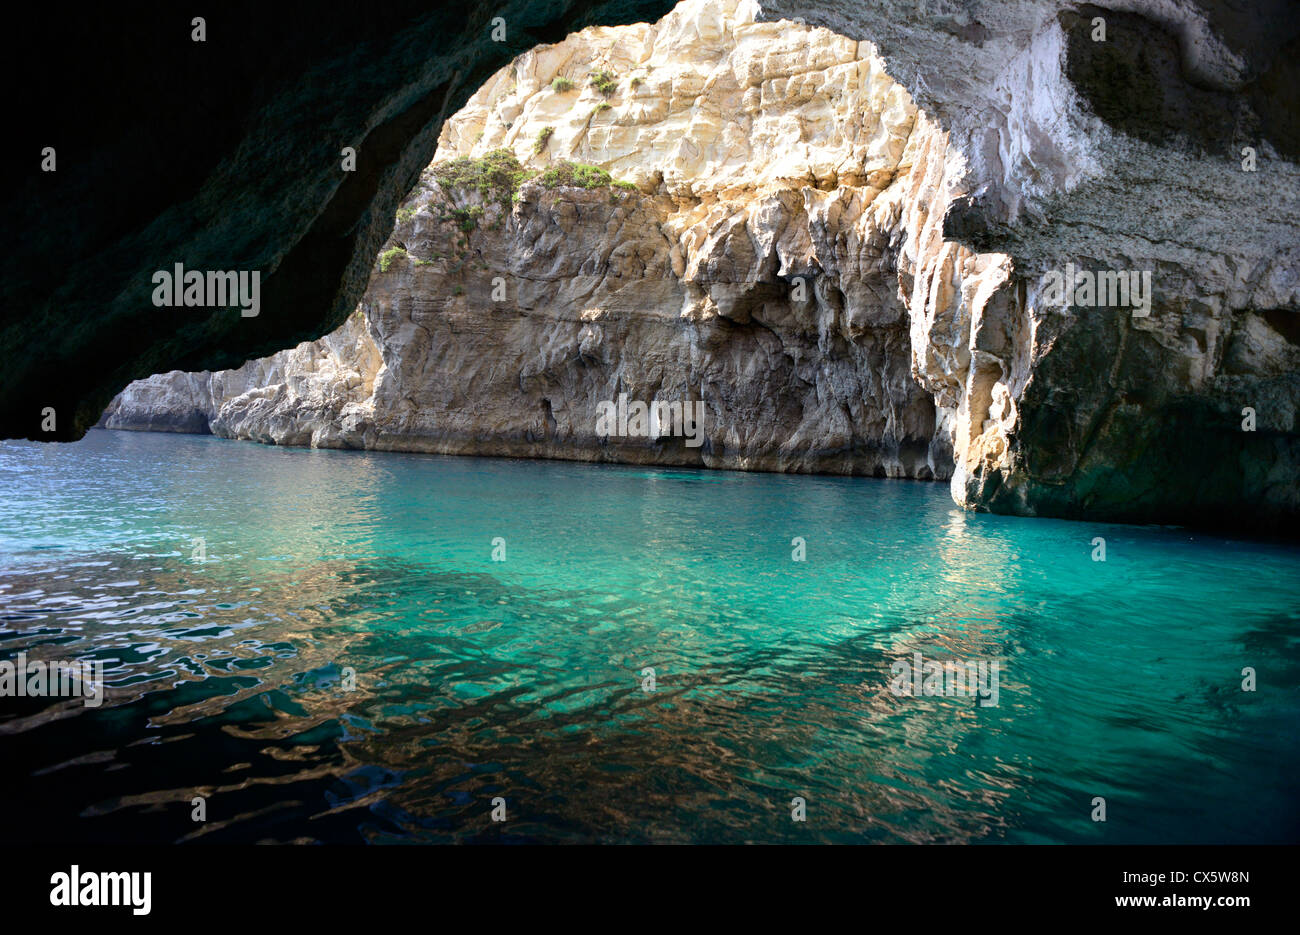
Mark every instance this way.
x=522 y=680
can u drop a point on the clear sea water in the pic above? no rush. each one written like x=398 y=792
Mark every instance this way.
x=522 y=680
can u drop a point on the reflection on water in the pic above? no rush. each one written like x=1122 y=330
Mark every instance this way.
x=229 y=678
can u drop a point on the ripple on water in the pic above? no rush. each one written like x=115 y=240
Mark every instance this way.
x=348 y=664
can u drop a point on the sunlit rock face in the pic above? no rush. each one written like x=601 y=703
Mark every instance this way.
x=309 y=395
x=764 y=152
x=749 y=263
x=1113 y=150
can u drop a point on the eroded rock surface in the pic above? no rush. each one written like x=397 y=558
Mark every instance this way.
x=748 y=261
x=1122 y=153
x=763 y=152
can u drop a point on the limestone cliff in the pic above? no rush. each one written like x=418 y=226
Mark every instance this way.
x=1151 y=136
x=745 y=254
x=847 y=283
x=282 y=399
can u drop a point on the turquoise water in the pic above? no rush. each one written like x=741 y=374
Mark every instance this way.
x=522 y=679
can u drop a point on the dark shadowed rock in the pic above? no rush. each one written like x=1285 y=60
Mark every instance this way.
x=220 y=155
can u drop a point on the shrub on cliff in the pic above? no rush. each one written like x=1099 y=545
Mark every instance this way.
x=574 y=174
x=390 y=255
x=603 y=81
x=496 y=175
x=581 y=175
x=467 y=218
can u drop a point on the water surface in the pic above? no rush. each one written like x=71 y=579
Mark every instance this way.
x=523 y=679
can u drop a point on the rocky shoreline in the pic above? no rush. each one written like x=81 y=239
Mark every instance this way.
x=756 y=216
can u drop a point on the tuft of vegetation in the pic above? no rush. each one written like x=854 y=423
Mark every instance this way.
x=603 y=81
x=543 y=137
x=637 y=81
x=600 y=108
x=580 y=175
x=467 y=218
x=574 y=174
x=406 y=213
x=389 y=256
x=560 y=84
x=496 y=175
